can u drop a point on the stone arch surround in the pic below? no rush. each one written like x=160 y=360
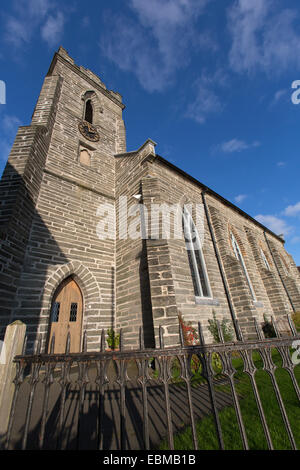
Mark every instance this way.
x=90 y=291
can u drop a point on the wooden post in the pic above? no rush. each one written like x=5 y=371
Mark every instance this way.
x=12 y=346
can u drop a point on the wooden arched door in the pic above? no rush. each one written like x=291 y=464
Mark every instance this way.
x=66 y=316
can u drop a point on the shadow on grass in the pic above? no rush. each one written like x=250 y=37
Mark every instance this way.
x=206 y=432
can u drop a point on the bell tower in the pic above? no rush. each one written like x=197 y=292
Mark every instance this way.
x=60 y=170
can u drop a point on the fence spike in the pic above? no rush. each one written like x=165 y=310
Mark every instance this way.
x=121 y=339
x=142 y=343
x=201 y=336
x=38 y=345
x=102 y=343
x=291 y=325
x=275 y=327
x=181 y=335
x=84 y=342
x=220 y=332
x=258 y=330
x=24 y=345
x=68 y=343
x=241 y=337
x=161 y=337
x=52 y=344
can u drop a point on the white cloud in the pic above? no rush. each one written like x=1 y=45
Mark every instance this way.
x=293 y=210
x=281 y=164
x=240 y=198
x=53 y=28
x=236 y=145
x=263 y=37
x=29 y=16
x=274 y=223
x=86 y=21
x=295 y=240
x=16 y=32
x=205 y=98
x=157 y=41
x=279 y=94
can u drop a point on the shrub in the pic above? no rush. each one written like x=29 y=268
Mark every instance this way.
x=268 y=328
x=226 y=329
x=296 y=320
x=190 y=335
x=113 y=339
x=190 y=338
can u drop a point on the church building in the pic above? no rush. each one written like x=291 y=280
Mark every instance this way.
x=96 y=237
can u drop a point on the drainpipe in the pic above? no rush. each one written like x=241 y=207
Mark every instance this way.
x=282 y=281
x=231 y=308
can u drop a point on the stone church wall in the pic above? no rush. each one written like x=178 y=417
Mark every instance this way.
x=270 y=296
x=61 y=215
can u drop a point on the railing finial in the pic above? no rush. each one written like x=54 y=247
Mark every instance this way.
x=275 y=327
x=52 y=344
x=102 y=343
x=68 y=342
x=142 y=343
x=84 y=342
x=201 y=336
x=291 y=325
x=121 y=339
x=258 y=330
x=161 y=337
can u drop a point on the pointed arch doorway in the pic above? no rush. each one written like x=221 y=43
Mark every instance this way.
x=66 y=316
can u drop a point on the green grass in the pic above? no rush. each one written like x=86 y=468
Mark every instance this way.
x=206 y=433
x=296 y=320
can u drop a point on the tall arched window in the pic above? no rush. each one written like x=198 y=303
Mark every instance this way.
x=195 y=256
x=264 y=258
x=88 y=114
x=240 y=258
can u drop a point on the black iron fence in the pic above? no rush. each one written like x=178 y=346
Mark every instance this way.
x=140 y=399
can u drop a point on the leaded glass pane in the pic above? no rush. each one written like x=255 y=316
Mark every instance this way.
x=55 y=311
x=195 y=257
x=201 y=274
x=73 y=312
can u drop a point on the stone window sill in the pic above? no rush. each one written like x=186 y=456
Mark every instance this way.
x=206 y=301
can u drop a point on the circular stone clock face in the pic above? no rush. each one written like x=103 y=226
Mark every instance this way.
x=88 y=131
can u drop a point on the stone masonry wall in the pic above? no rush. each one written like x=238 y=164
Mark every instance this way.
x=19 y=190
x=185 y=192
x=270 y=296
x=62 y=237
x=133 y=301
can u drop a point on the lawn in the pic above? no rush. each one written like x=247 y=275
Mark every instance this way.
x=206 y=433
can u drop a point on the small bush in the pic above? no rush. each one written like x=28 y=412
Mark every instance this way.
x=190 y=335
x=226 y=329
x=190 y=338
x=113 y=339
x=296 y=320
x=268 y=328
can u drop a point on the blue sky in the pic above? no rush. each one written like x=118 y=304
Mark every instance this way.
x=210 y=81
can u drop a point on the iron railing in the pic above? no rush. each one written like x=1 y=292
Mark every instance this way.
x=116 y=400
